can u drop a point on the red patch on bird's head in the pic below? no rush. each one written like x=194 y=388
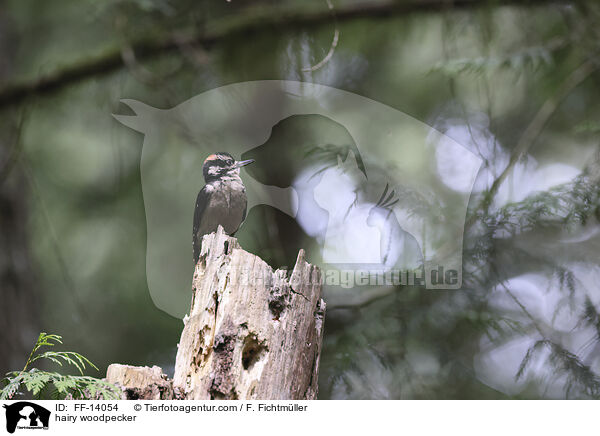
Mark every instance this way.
x=211 y=157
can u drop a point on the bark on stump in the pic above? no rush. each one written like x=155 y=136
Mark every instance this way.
x=140 y=382
x=252 y=333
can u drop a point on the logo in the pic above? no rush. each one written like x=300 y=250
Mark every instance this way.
x=380 y=192
x=26 y=415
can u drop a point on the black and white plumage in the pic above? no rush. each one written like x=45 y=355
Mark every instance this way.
x=222 y=200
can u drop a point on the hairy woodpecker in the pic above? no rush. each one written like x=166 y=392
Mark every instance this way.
x=222 y=200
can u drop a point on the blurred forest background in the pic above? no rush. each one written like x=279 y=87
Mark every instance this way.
x=516 y=82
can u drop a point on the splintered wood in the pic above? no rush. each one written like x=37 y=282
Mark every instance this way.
x=252 y=333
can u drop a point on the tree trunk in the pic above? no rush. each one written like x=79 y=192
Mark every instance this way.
x=19 y=292
x=252 y=333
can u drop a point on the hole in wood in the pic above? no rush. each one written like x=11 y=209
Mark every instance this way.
x=252 y=352
x=277 y=302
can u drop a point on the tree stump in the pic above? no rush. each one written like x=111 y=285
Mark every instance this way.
x=252 y=333
x=140 y=382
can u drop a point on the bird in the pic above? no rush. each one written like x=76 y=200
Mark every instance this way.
x=222 y=200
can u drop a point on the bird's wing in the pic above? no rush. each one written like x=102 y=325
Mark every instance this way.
x=244 y=213
x=201 y=202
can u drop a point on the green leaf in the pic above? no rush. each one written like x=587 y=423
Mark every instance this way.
x=56 y=385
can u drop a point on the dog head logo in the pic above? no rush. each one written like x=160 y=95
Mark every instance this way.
x=26 y=415
x=362 y=178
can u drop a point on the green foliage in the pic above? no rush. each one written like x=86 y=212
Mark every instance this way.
x=555 y=212
x=44 y=384
x=570 y=205
x=532 y=57
x=579 y=377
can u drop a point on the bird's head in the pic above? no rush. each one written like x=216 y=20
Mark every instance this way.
x=221 y=166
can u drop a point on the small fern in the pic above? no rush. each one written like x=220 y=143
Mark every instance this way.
x=57 y=386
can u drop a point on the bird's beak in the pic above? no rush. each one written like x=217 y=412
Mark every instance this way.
x=243 y=163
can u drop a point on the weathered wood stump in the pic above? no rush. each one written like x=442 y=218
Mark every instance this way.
x=140 y=382
x=252 y=333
